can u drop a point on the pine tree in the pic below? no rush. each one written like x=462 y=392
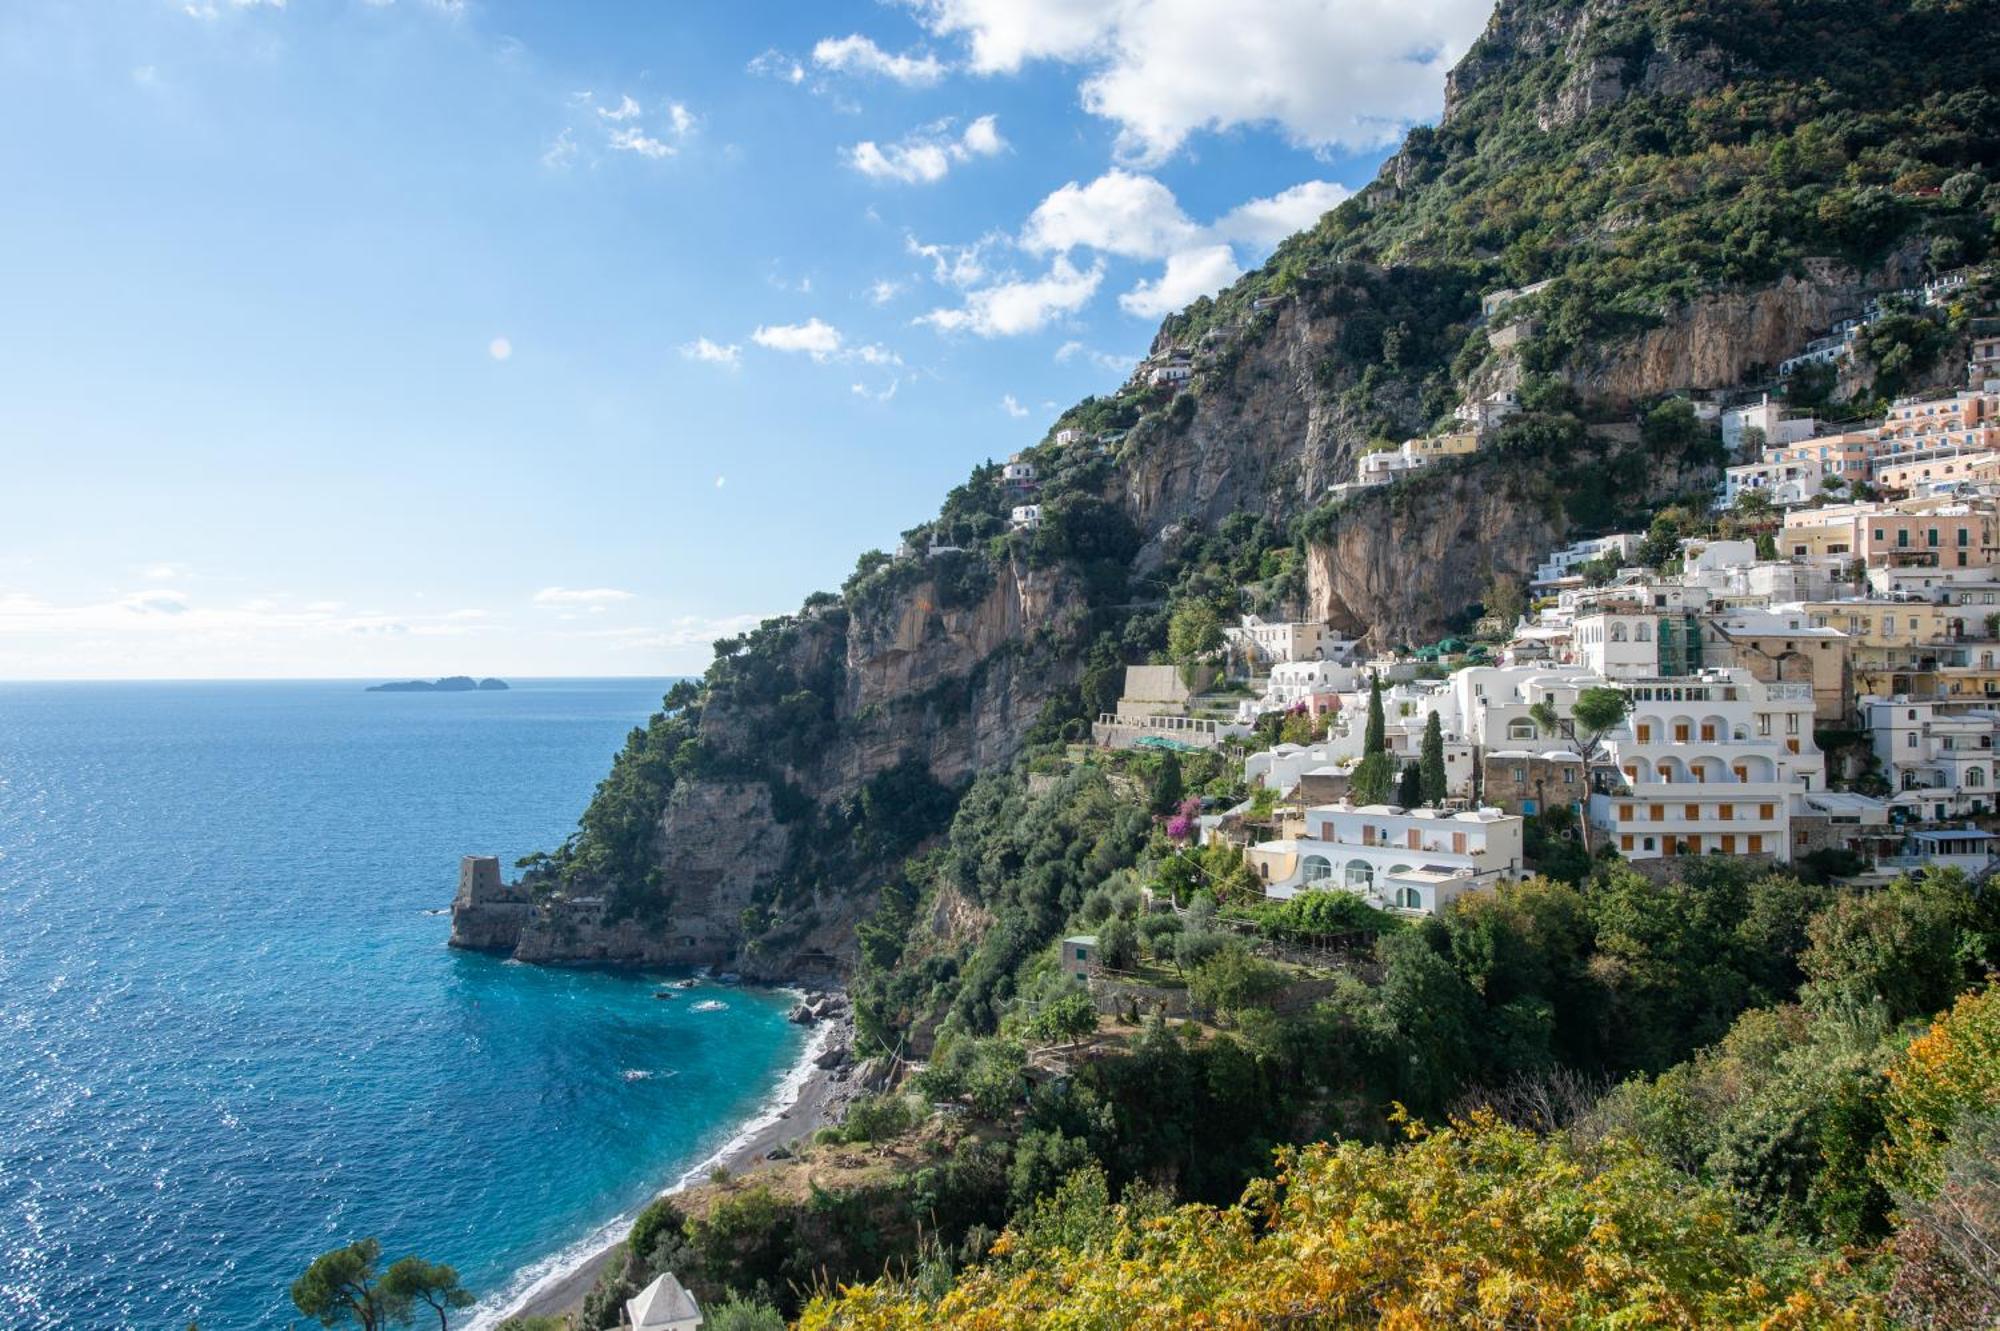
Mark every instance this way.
x=1432 y=784
x=1376 y=738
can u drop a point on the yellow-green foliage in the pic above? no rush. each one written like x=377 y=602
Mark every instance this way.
x=1478 y=1225
x=1949 y=1071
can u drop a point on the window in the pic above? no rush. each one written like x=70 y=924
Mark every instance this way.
x=1766 y=812
x=1317 y=868
x=1645 y=732
x=1680 y=732
x=1756 y=846
x=1707 y=732
x=1520 y=728
x=1725 y=812
x=1617 y=633
x=1360 y=874
x=1648 y=843
x=1625 y=841
x=1657 y=812
x=1728 y=844
x=1624 y=813
x=1693 y=812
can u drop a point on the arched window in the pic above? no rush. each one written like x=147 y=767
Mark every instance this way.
x=1409 y=898
x=1975 y=776
x=1520 y=728
x=1318 y=868
x=1360 y=874
x=1644 y=633
x=1617 y=633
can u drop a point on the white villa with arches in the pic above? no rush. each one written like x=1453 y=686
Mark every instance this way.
x=1713 y=763
x=1417 y=860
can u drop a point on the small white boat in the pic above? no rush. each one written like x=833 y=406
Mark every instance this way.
x=709 y=1005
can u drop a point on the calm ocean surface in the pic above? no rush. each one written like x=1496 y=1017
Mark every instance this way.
x=231 y=1036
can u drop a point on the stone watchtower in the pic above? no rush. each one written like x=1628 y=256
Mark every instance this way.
x=488 y=912
x=479 y=880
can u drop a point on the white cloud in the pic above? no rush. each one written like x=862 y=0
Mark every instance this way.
x=1008 y=308
x=585 y=596
x=883 y=290
x=927 y=155
x=958 y=265
x=858 y=55
x=1264 y=222
x=1327 y=74
x=823 y=342
x=1189 y=275
x=815 y=338
x=775 y=64
x=1103 y=360
x=626 y=129
x=560 y=152
x=1121 y=213
x=713 y=353
x=1012 y=407
x=500 y=348
x=876 y=394
x=627 y=109
x=163 y=572
x=632 y=139
x=721 y=481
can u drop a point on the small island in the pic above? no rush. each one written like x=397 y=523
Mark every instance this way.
x=449 y=684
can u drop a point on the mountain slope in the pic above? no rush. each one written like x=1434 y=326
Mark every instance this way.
x=1707 y=186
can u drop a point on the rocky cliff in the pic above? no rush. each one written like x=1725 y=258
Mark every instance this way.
x=1691 y=192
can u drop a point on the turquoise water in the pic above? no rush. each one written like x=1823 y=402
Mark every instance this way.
x=231 y=1034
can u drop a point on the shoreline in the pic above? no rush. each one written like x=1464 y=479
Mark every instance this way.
x=807 y=1098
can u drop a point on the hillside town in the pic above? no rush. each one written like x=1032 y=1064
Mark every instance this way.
x=1811 y=679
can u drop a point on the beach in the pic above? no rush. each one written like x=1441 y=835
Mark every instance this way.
x=810 y=1097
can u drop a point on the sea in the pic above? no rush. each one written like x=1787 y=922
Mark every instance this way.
x=232 y=1036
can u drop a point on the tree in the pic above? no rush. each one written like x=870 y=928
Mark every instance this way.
x=1596 y=713
x=412 y=1280
x=1193 y=636
x=1375 y=774
x=1118 y=944
x=1409 y=786
x=1503 y=600
x=1431 y=782
x=1065 y=1020
x=1166 y=788
x=340 y=1286
x=740 y=1314
x=1375 y=738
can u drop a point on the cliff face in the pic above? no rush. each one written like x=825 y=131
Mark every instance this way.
x=950 y=689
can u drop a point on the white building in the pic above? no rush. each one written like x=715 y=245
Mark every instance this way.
x=1562 y=563
x=1019 y=473
x=1267 y=643
x=1295 y=682
x=1417 y=860
x=1769 y=420
x=664 y=1305
x=1171 y=373
x=1713 y=763
x=1938 y=764
x=1786 y=482
x=1025 y=517
x=1068 y=435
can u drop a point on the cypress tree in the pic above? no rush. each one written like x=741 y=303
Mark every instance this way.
x=1409 y=786
x=1432 y=784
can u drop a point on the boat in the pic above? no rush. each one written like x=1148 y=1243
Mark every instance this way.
x=688 y=983
x=709 y=1005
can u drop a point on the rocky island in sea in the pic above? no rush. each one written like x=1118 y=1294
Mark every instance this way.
x=449 y=684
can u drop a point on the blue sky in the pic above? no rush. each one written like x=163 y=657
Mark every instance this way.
x=350 y=337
